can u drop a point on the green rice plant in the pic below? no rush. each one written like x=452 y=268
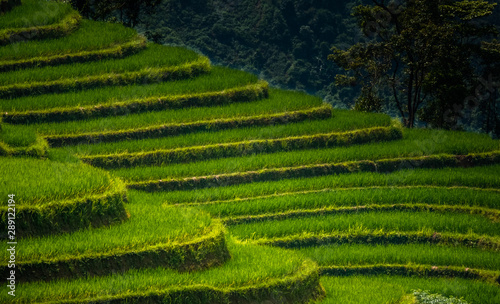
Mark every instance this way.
x=246 y=93
x=21 y=141
x=411 y=146
x=69 y=215
x=38 y=149
x=186 y=115
x=383 y=165
x=17 y=136
x=67 y=25
x=337 y=200
x=37 y=182
x=177 y=238
x=254 y=273
x=404 y=254
x=427 y=271
x=272 y=106
x=117 y=51
x=83 y=39
x=148 y=75
x=366 y=236
x=192 y=154
x=476 y=177
x=117 y=72
x=52 y=198
x=164 y=224
x=35 y=13
x=154 y=56
x=169 y=130
x=383 y=289
x=382 y=221
x=218 y=79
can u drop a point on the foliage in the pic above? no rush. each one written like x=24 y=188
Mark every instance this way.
x=286 y=41
x=424 y=297
x=386 y=288
x=83 y=39
x=67 y=25
x=7 y=5
x=128 y=10
x=419 y=52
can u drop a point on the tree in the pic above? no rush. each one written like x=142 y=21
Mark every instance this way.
x=128 y=11
x=417 y=55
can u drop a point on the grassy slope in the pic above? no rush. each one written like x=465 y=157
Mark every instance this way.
x=249 y=265
x=476 y=188
x=84 y=39
x=154 y=56
x=412 y=145
x=34 y=13
x=40 y=181
x=218 y=79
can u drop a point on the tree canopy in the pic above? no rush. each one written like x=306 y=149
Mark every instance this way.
x=127 y=10
x=421 y=57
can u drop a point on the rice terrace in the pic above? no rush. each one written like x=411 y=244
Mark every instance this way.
x=135 y=172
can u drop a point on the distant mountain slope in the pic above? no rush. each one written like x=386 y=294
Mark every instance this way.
x=285 y=41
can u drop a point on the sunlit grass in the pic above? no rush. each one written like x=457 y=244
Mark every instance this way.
x=17 y=136
x=83 y=39
x=389 y=289
x=274 y=105
x=354 y=197
x=34 y=13
x=415 y=143
x=249 y=265
x=484 y=177
x=149 y=224
x=426 y=254
x=36 y=181
x=218 y=79
x=384 y=221
x=155 y=56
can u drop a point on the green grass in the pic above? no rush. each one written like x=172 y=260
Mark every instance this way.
x=35 y=181
x=355 y=197
x=384 y=221
x=17 y=136
x=426 y=254
x=389 y=289
x=154 y=56
x=415 y=143
x=149 y=224
x=485 y=177
x=34 y=13
x=272 y=105
x=249 y=265
x=83 y=39
x=187 y=115
x=218 y=79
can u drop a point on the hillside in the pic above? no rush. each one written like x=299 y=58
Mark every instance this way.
x=286 y=42
x=143 y=173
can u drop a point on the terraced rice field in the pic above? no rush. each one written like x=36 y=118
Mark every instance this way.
x=142 y=174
